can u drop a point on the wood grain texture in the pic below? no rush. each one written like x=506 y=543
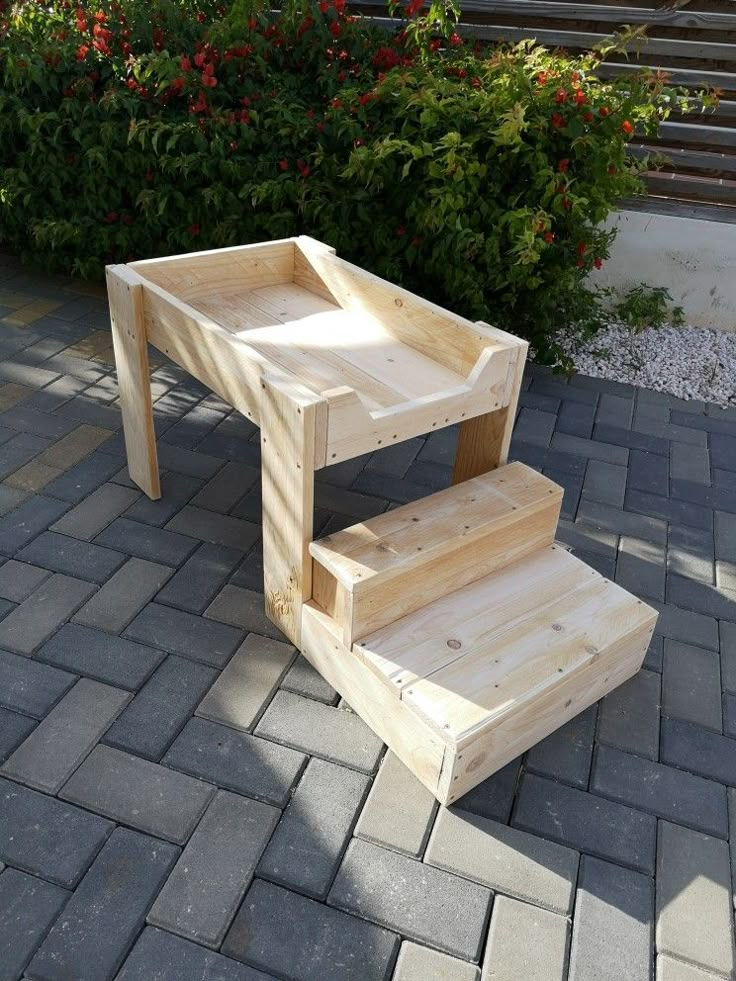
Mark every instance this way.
x=125 y=294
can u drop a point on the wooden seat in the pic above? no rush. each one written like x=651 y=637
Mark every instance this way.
x=378 y=571
x=488 y=669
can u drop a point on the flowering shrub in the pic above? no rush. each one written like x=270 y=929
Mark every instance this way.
x=476 y=177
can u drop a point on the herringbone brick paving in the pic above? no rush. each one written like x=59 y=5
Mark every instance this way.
x=182 y=797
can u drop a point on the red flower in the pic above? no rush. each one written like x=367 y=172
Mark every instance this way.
x=200 y=105
x=549 y=237
x=627 y=127
x=612 y=169
x=365 y=98
x=193 y=230
x=400 y=231
x=475 y=82
x=100 y=17
x=455 y=40
x=542 y=78
x=111 y=217
x=563 y=165
x=597 y=263
x=581 y=248
x=199 y=60
x=580 y=264
x=588 y=117
x=336 y=103
x=303 y=168
x=413 y=7
x=560 y=96
x=178 y=84
x=580 y=98
x=323 y=6
x=339 y=7
x=557 y=120
x=604 y=111
x=244 y=117
x=82 y=51
x=283 y=164
x=127 y=219
x=434 y=44
x=335 y=29
x=185 y=64
x=566 y=204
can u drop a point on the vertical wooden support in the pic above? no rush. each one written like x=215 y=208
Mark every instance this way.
x=483 y=442
x=293 y=426
x=125 y=294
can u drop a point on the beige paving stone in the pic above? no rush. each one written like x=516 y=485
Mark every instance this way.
x=75 y=446
x=33 y=476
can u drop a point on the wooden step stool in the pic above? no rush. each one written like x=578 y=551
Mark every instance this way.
x=455 y=626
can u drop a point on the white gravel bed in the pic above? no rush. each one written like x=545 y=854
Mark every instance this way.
x=688 y=362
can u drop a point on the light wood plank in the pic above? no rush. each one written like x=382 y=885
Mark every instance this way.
x=291 y=420
x=130 y=341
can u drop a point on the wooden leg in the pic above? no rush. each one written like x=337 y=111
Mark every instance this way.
x=483 y=442
x=134 y=385
x=289 y=422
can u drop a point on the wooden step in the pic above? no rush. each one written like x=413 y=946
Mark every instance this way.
x=463 y=685
x=378 y=571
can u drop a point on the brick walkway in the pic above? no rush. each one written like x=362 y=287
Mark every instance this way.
x=183 y=798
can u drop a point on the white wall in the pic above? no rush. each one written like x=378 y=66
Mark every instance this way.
x=694 y=258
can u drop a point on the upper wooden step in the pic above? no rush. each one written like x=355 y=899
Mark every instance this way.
x=382 y=569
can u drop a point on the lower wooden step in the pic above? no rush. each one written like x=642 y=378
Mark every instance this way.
x=465 y=684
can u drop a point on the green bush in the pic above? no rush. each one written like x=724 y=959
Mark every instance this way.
x=475 y=177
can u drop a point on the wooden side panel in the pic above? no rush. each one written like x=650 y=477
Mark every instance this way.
x=483 y=442
x=125 y=294
x=494 y=748
x=420 y=747
x=291 y=419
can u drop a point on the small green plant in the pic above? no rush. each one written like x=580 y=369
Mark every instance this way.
x=648 y=306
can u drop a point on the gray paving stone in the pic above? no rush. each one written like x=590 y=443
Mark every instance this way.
x=566 y=754
x=84 y=477
x=38 y=616
x=504 y=859
x=603 y=517
x=243 y=608
x=237 y=761
x=13 y=730
x=160 y=956
x=26 y=420
x=525 y=942
x=321 y=730
x=418 y=901
x=655 y=655
x=576 y=419
x=176 y=490
x=18 y=580
x=218 y=529
x=694 y=906
x=690 y=463
x=102 y=919
x=32 y=517
x=690 y=553
x=123 y=596
x=648 y=472
x=30 y=688
x=728 y=655
x=141 y=794
x=308 y=844
x=28 y=907
x=10 y=498
x=686 y=627
x=161 y=708
x=202 y=894
x=147 y=542
x=535 y=426
x=101 y=656
x=641 y=568
x=179 y=632
x=729 y=715
x=224 y=490
x=633 y=440
x=629 y=716
x=662 y=790
x=493 y=797
x=612 y=934
x=605 y=482
x=188 y=462
x=587 y=538
x=724 y=531
x=18 y=450
x=240 y=694
x=47 y=837
x=303 y=679
x=331 y=946
x=703 y=598
x=592 y=449
x=406 y=828
x=96 y=512
x=723 y=451
x=587 y=822
x=672 y=970
x=69 y=732
x=416 y=963
x=198 y=581
x=72 y=557
x=691 y=685
x=698 y=750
